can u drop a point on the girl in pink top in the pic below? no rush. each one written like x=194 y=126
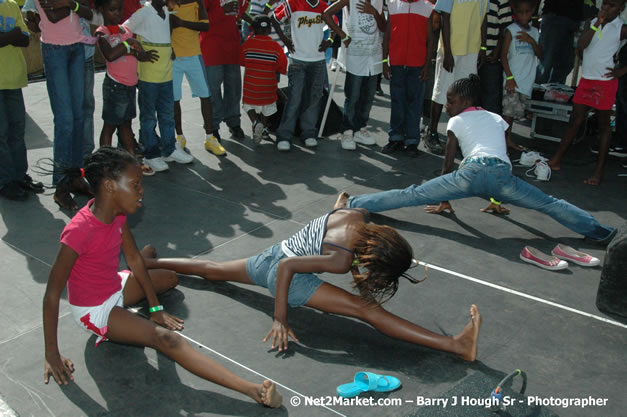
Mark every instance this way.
x=87 y=262
x=121 y=52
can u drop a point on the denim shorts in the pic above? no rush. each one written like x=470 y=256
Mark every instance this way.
x=118 y=102
x=192 y=67
x=262 y=270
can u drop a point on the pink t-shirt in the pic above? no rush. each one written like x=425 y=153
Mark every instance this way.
x=124 y=69
x=66 y=31
x=94 y=276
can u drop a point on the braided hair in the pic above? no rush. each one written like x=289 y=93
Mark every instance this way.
x=106 y=163
x=468 y=88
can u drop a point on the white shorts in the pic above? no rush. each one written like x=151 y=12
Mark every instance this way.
x=464 y=66
x=267 y=110
x=94 y=319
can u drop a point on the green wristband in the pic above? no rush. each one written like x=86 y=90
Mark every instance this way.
x=493 y=201
x=268 y=5
x=155 y=309
x=385 y=61
x=511 y=77
x=77 y=7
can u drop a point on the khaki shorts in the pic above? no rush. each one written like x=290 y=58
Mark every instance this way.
x=514 y=104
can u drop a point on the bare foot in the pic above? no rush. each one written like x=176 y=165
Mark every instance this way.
x=593 y=181
x=342 y=200
x=148 y=252
x=469 y=337
x=555 y=166
x=270 y=397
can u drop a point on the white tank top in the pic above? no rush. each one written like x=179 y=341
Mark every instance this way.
x=599 y=55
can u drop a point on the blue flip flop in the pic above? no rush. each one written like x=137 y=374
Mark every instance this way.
x=368 y=381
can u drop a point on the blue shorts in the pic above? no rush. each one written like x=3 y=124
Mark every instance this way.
x=262 y=270
x=194 y=70
x=118 y=102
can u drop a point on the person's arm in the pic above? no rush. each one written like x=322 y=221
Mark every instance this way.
x=448 y=165
x=14 y=37
x=424 y=75
x=277 y=27
x=526 y=37
x=589 y=31
x=449 y=61
x=484 y=40
x=327 y=16
x=335 y=262
x=365 y=7
x=57 y=10
x=55 y=365
x=386 y=50
x=510 y=81
x=201 y=26
x=138 y=267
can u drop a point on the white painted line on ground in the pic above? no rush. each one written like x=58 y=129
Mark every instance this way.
x=252 y=370
x=524 y=295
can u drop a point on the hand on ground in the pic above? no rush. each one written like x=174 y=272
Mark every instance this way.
x=279 y=333
x=167 y=320
x=445 y=205
x=495 y=209
x=59 y=368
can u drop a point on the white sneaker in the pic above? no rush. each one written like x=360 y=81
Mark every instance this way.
x=347 y=141
x=363 y=137
x=311 y=142
x=179 y=155
x=283 y=146
x=333 y=65
x=528 y=159
x=157 y=164
x=542 y=171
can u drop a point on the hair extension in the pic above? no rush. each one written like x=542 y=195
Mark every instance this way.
x=386 y=256
x=469 y=88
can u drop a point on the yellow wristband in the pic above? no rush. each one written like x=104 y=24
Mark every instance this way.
x=484 y=48
x=268 y=5
x=385 y=61
x=511 y=77
x=493 y=201
x=346 y=38
x=77 y=7
x=128 y=47
x=597 y=30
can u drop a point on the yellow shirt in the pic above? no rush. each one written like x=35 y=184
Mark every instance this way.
x=13 y=73
x=186 y=42
x=466 y=19
x=159 y=71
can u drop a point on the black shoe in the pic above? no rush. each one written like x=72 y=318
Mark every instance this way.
x=411 y=150
x=393 y=146
x=237 y=133
x=27 y=184
x=13 y=191
x=265 y=135
x=432 y=143
x=380 y=91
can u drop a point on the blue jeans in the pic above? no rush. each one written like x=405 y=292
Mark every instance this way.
x=225 y=104
x=491 y=76
x=65 y=79
x=556 y=39
x=359 y=95
x=407 y=93
x=156 y=103
x=89 y=104
x=487 y=177
x=305 y=83
x=13 y=164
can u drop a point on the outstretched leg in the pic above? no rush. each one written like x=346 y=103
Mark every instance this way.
x=331 y=299
x=125 y=327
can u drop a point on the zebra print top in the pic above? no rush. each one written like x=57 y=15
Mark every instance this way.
x=308 y=240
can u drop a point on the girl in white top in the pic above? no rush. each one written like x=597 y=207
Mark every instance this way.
x=599 y=83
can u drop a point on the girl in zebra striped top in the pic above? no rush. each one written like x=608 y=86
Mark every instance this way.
x=338 y=242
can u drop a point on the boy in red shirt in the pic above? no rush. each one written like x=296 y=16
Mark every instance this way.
x=262 y=58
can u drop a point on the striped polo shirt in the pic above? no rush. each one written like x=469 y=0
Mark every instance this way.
x=263 y=58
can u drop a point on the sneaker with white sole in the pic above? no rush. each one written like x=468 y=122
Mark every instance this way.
x=537 y=258
x=311 y=142
x=265 y=135
x=333 y=64
x=347 y=141
x=179 y=156
x=283 y=146
x=541 y=170
x=363 y=136
x=257 y=131
x=181 y=140
x=214 y=146
x=157 y=164
x=529 y=159
x=569 y=254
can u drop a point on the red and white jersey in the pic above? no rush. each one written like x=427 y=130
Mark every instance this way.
x=307 y=26
x=409 y=23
